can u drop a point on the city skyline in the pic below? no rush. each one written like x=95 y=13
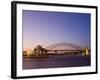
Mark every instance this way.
x=46 y=28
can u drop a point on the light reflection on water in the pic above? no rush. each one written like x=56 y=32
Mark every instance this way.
x=56 y=61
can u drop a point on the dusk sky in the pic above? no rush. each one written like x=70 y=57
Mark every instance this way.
x=47 y=28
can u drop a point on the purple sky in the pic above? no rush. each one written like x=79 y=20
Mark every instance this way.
x=46 y=28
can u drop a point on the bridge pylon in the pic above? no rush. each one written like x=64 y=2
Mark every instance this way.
x=85 y=51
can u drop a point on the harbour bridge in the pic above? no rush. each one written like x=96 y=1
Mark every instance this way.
x=51 y=50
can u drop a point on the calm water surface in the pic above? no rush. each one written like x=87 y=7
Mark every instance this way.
x=56 y=61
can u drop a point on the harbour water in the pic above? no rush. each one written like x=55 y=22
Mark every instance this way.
x=56 y=61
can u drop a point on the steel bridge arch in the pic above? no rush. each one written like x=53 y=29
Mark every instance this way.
x=64 y=44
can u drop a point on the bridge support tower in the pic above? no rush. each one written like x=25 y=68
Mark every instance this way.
x=85 y=51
